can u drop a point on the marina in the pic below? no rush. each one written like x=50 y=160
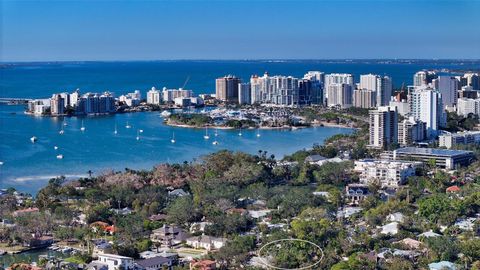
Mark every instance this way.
x=28 y=166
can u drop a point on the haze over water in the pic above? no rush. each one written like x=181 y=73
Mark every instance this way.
x=28 y=166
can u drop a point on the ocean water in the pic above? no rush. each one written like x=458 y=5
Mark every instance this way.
x=28 y=166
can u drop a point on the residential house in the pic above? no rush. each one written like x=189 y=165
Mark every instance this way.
x=154 y=263
x=199 y=226
x=396 y=217
x=206 y=242
x=356 y=193
x=443 y=265
x=41 y=241
x=111 y=262
x=428 y=234
x=177 y=193
x=168 y=235
x=203 y=265
x=26 y=211
x=390 y=228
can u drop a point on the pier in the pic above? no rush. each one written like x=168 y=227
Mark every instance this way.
x=14 y=101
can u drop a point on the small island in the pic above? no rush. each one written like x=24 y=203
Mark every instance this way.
x=262 y=117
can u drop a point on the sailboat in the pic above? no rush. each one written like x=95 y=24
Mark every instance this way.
x=206 y=137
x=128 y=125
x=216 y=133
x=83 y=127
x=258 y=133
x=138 y=136
x=33 y=139
x=240 y=132
x=55 y=147
x=173 y=138
x=115 y=131
x=61 y=131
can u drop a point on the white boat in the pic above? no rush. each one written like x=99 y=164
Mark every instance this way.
x=65 y=123
x=55 y=147
x=83 y=127
x=173 y=138
x=61 y=132
x=33 y=139
x=115 y=131
x=216 y=133
x=1 y=163
x=141 y=130
x=138 y=136
x=258 y=133
x=128 y=125
x=165 y=114
x=215 y=142
x=206 y=137
x=240 y=133
x=60 y=156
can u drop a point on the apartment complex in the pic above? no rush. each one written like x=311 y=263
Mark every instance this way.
x=448 y=159
x=386 y=173
x=411 y=131
x=364 y=98
x=426 y=105
x=450 y=140
x=383 y=127
x=154 y=96
x=227 y=88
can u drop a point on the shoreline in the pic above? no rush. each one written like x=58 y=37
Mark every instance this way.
x=232 y=128
x=321 y=124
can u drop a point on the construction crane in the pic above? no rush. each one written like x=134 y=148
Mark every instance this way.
x=186 y=81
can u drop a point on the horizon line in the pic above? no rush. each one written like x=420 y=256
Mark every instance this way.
x=246 y=59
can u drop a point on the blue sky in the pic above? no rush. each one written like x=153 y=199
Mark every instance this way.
x=152 y=30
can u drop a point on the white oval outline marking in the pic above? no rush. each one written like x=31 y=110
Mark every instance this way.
x=290 y=240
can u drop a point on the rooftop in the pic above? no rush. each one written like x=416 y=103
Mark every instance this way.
x=432 y=151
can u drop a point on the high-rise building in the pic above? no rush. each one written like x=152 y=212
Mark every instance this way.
x=317 y=80
x=466 y=106
x=57 y=104
x=426 y=105
x=410 y=131
x=336 y=78
x=277 y=90
x=255 y=89
x=153 y=96
x=447 y=86
x=364 y=98
x=74 y=96
x=383 y=127
x=381 y=85
x=244 y=93
x=339 y=95
x=169 y=95
x=423 y=77
x=473 y=80
x=106 y=103
x=306 y=89
x=384 y=90
x=227 y=88
x=92 y=103
x=66 y=99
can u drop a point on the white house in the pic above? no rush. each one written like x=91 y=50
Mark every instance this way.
x=206 y=242
x=111 y=262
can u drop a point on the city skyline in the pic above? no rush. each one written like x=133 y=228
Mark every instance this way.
x=164 y=30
